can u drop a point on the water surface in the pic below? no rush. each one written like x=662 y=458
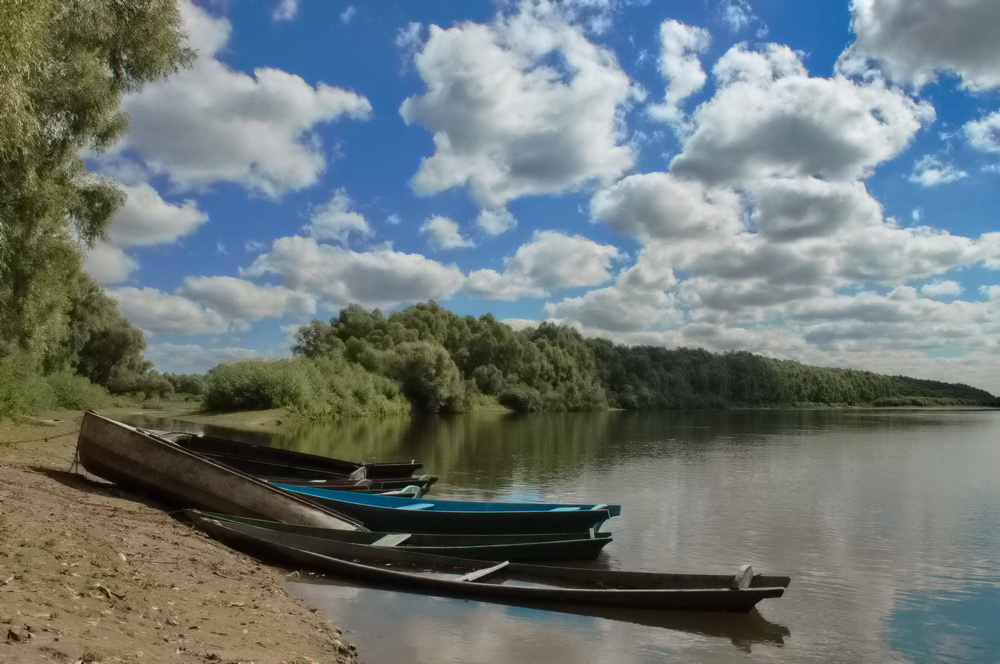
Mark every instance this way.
x=888 y=522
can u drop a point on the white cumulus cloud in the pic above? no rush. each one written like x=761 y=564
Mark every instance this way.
x=148 y=219
x=789 y=209
x=614 y=309
x=985 y=134
x=680 y=45
x=444 y=233
x=770 y=119
x=660 y=206
x=285 y=10
x=339 y=276
x=242 y=299
x=941 y=289
x=109 y=264
x=552 y=260
x=495 y=221
x=914 y=40
x=193 y=358
x=930 y=171
x=157 y=312
x=144 y=219
x=523 y=105
x=334 y=220
x=212 y=124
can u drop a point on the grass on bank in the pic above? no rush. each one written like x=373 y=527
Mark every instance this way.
x=25 y=392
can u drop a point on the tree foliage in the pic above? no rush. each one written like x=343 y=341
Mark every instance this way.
x=100 y=344
x=189 y=384
x=318 y=388
x=64 y=67
x=443 y=361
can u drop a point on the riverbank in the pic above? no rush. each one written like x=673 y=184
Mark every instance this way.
x=90 y=573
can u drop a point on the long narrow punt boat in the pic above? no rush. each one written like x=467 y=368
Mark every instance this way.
x=455 y=516
x=540 y=546
x=544 y=586
x=357 y=486
x=265 y=460
x=142 y=461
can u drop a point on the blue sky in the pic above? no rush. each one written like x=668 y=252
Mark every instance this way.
x=812 y=181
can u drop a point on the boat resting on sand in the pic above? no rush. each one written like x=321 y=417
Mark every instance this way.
x=540 y=546
x=521 y=584
x=391 y=513
x=266 y=460
x=142 y=461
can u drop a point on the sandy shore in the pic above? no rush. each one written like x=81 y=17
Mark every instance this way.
x=90 y=573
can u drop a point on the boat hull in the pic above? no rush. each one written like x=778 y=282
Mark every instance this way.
x=265 y=460
x=399 y=515
x=526 y=547
x=514 y=583
x=140 y=461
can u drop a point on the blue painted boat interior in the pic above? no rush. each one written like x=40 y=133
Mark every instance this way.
x=378 y=500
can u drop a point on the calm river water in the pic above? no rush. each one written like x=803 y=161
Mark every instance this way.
x=888 y=522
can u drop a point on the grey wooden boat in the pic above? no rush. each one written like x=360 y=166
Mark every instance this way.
x=585 y=545
x=266 y=460
x=145 y=462
x=514 y=583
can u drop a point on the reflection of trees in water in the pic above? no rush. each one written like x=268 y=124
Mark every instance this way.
x=353 y=438
x=491 y=449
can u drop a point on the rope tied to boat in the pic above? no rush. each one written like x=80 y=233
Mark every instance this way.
x=37 y=440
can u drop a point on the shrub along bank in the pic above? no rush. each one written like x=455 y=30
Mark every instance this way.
x=428 y=359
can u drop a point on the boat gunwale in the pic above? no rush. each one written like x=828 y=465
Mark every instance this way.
x=103 y=456
x=489 y=546
x=396 y=502
x=718 y=597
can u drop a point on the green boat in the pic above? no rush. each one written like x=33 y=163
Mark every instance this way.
x=535 y=547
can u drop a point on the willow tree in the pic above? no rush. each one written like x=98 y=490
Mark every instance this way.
x=64 y=68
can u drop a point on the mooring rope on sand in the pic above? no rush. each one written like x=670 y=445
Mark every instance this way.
x=43 y=438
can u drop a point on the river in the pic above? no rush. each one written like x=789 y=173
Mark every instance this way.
x=888 y=522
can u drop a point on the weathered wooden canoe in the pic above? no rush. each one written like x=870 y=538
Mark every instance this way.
x=515 y=583
x=141 y=461
x=265 y=460
x=540 y=546
x=410 y=515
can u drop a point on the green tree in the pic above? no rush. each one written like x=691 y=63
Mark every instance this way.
x=192 y=384
x=64 y=67
x=429 y=377
x=317 y=339
x=101 y=344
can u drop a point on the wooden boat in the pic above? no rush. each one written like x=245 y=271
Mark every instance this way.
x=515 y=583
x=139 y=460
x=357 y=486
x=540 y=546
x=390 y=513
x=265 y=460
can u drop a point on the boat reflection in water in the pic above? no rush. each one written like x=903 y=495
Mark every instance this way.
x=362 y=610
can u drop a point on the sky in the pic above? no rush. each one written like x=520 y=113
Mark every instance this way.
x=815 y=181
